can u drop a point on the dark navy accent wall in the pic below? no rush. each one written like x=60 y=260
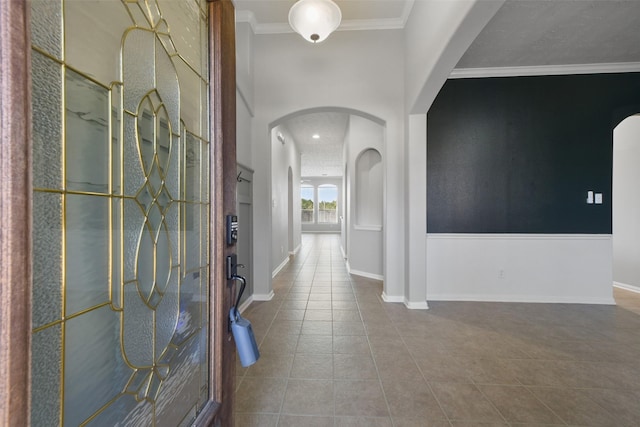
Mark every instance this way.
x=518 y=154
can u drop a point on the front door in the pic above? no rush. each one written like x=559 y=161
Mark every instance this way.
x=129 y=303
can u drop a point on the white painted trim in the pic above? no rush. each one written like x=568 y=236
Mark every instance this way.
x=365 y=274
x=344 y=254
x=516 y=236
x=390 y=298
x=296 y=250
x=626 y=287
x=408 y=6
x=347 y=25
x=421 y=305
x=520 y=299
x=263 y=297
x=367 y=227
x=280 y=267
x=545 y=70
x=245 y=304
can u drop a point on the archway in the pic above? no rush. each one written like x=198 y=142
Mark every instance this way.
x=626 y=204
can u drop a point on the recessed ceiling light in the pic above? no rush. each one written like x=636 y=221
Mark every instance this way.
x=315 y=136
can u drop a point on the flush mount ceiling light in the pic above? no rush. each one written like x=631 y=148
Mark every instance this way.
x=315 y=136
x=314 y=20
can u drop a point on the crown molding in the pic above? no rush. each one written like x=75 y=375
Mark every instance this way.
x=545 y=70
x=346 y=25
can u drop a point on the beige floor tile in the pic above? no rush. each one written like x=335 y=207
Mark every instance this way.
x=256 y=420
x=344 y=305
x=319 y=297
x=464 y=402
x=308 y=397
x=412 y=399
x=578 y=363
x=319 y=305
x=362 y=422
x=290 y=315
x=275 y=343
x=419 y=422
x=360 y=398
x=346 y=315
x=277 y=365
x=625 y=404
x=304 y=421
x=315 y=344
x=354 y=366
x=397 y=366
x=318 y=315
x=260 y=395
x=575 y=407
x=312 y=366
x=351 y=344
x=317 y=327
x=518 y=405
x=347 y=328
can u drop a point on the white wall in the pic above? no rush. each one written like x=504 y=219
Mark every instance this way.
x=359 y=70
x=283 y=157
x=365 y=244
x=437 y=34
x=520 y=268
x=626 y=203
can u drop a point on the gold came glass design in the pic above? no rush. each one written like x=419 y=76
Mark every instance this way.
x=121 y=207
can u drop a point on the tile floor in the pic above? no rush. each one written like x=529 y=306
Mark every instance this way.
x=333 y=354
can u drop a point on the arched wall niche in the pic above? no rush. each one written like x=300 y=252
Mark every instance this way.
x=369 y=189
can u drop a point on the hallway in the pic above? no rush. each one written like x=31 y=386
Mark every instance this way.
x=333 y=354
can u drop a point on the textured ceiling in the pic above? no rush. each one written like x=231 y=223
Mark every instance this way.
x=323 y=156
x=559 y=32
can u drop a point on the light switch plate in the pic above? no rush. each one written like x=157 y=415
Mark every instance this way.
x=598 y=198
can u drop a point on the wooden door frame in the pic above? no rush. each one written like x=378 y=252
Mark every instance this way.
x=16 y=212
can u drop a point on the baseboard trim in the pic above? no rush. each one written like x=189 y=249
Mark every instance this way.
x=245 y=304
x=263 y=297
x=295 y=251
x=521 y=299
x=627 y=287
x=392 y=298
x=280 y=267
x=365 y=274
x=419 y=305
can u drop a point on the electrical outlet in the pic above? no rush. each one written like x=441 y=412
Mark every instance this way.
x=501 y=274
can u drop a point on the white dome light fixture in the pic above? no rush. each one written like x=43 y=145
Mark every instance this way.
x=314 y=20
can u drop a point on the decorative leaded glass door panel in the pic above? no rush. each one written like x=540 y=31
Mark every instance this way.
x=121 y=205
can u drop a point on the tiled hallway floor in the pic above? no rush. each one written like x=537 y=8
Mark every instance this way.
x=333 y=354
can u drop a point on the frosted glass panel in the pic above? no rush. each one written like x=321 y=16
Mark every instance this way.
x=192 y=236
x=94 y=369
x=138 y=327
x=125 y=411
x=87 y=234
x=139 y=52
x=46 y=353
x=87 y=132
x=122 y=338
x=369 y=189
x=94 y=37
x=47 y=258
x=46 y=26
x=192 y=169
x=47 y=122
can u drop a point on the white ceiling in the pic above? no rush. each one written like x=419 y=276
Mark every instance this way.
x=560 y=32
x=323 y=156
x=523 y=33
x=271 y=16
